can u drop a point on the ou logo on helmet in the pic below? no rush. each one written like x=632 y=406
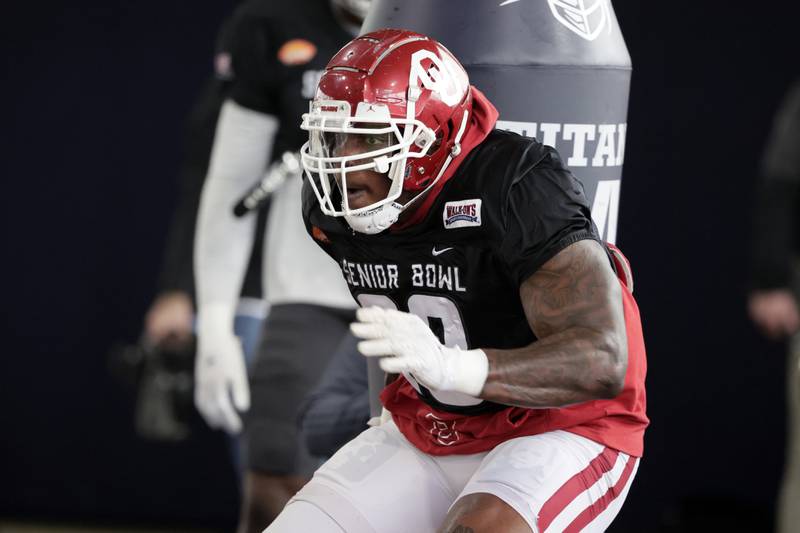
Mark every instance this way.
x=444 y=77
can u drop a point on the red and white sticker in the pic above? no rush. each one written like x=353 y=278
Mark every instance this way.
x=462 y=214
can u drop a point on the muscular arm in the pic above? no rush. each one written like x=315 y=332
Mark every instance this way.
x=574 y=306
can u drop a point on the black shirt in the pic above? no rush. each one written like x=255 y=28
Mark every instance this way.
x=259 y=37
x=510 y=207
x=280 y=50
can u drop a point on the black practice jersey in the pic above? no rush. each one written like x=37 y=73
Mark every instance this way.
x=510 y=206
x=280 y=50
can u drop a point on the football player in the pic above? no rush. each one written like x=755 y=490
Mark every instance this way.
x=519 y=403
x=773 y=298
x=279 y=51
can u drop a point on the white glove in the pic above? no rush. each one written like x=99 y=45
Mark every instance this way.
x=417 y=350
x=220 y=372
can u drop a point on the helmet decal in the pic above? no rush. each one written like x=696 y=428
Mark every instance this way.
x=444 y=77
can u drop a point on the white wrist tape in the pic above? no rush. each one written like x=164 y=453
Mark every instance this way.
x=215 y=317
x=468 y=370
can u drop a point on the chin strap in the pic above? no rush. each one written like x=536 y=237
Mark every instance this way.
x=454 y=151
x=375 y=220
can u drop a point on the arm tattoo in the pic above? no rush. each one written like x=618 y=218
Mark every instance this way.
x=574 y=306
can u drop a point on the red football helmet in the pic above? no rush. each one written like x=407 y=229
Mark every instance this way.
x=409 y=100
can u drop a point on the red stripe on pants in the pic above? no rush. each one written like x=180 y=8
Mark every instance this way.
x=575 y=485
x=594 y=510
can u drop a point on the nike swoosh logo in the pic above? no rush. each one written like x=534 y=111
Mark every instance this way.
x=436 y=252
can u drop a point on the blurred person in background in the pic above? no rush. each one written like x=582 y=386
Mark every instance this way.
x=338 y=408
x=170 y=318
x=169 y=322
x=772 y=302
x=280 y=49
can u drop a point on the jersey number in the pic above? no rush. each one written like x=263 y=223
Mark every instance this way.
x=442 y=316
x=440 y=313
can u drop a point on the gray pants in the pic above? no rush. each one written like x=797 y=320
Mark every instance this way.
x=789 y=502
x=297 y=344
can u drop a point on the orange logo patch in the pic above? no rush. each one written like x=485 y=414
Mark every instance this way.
x=297 y=52
x=319 y=235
